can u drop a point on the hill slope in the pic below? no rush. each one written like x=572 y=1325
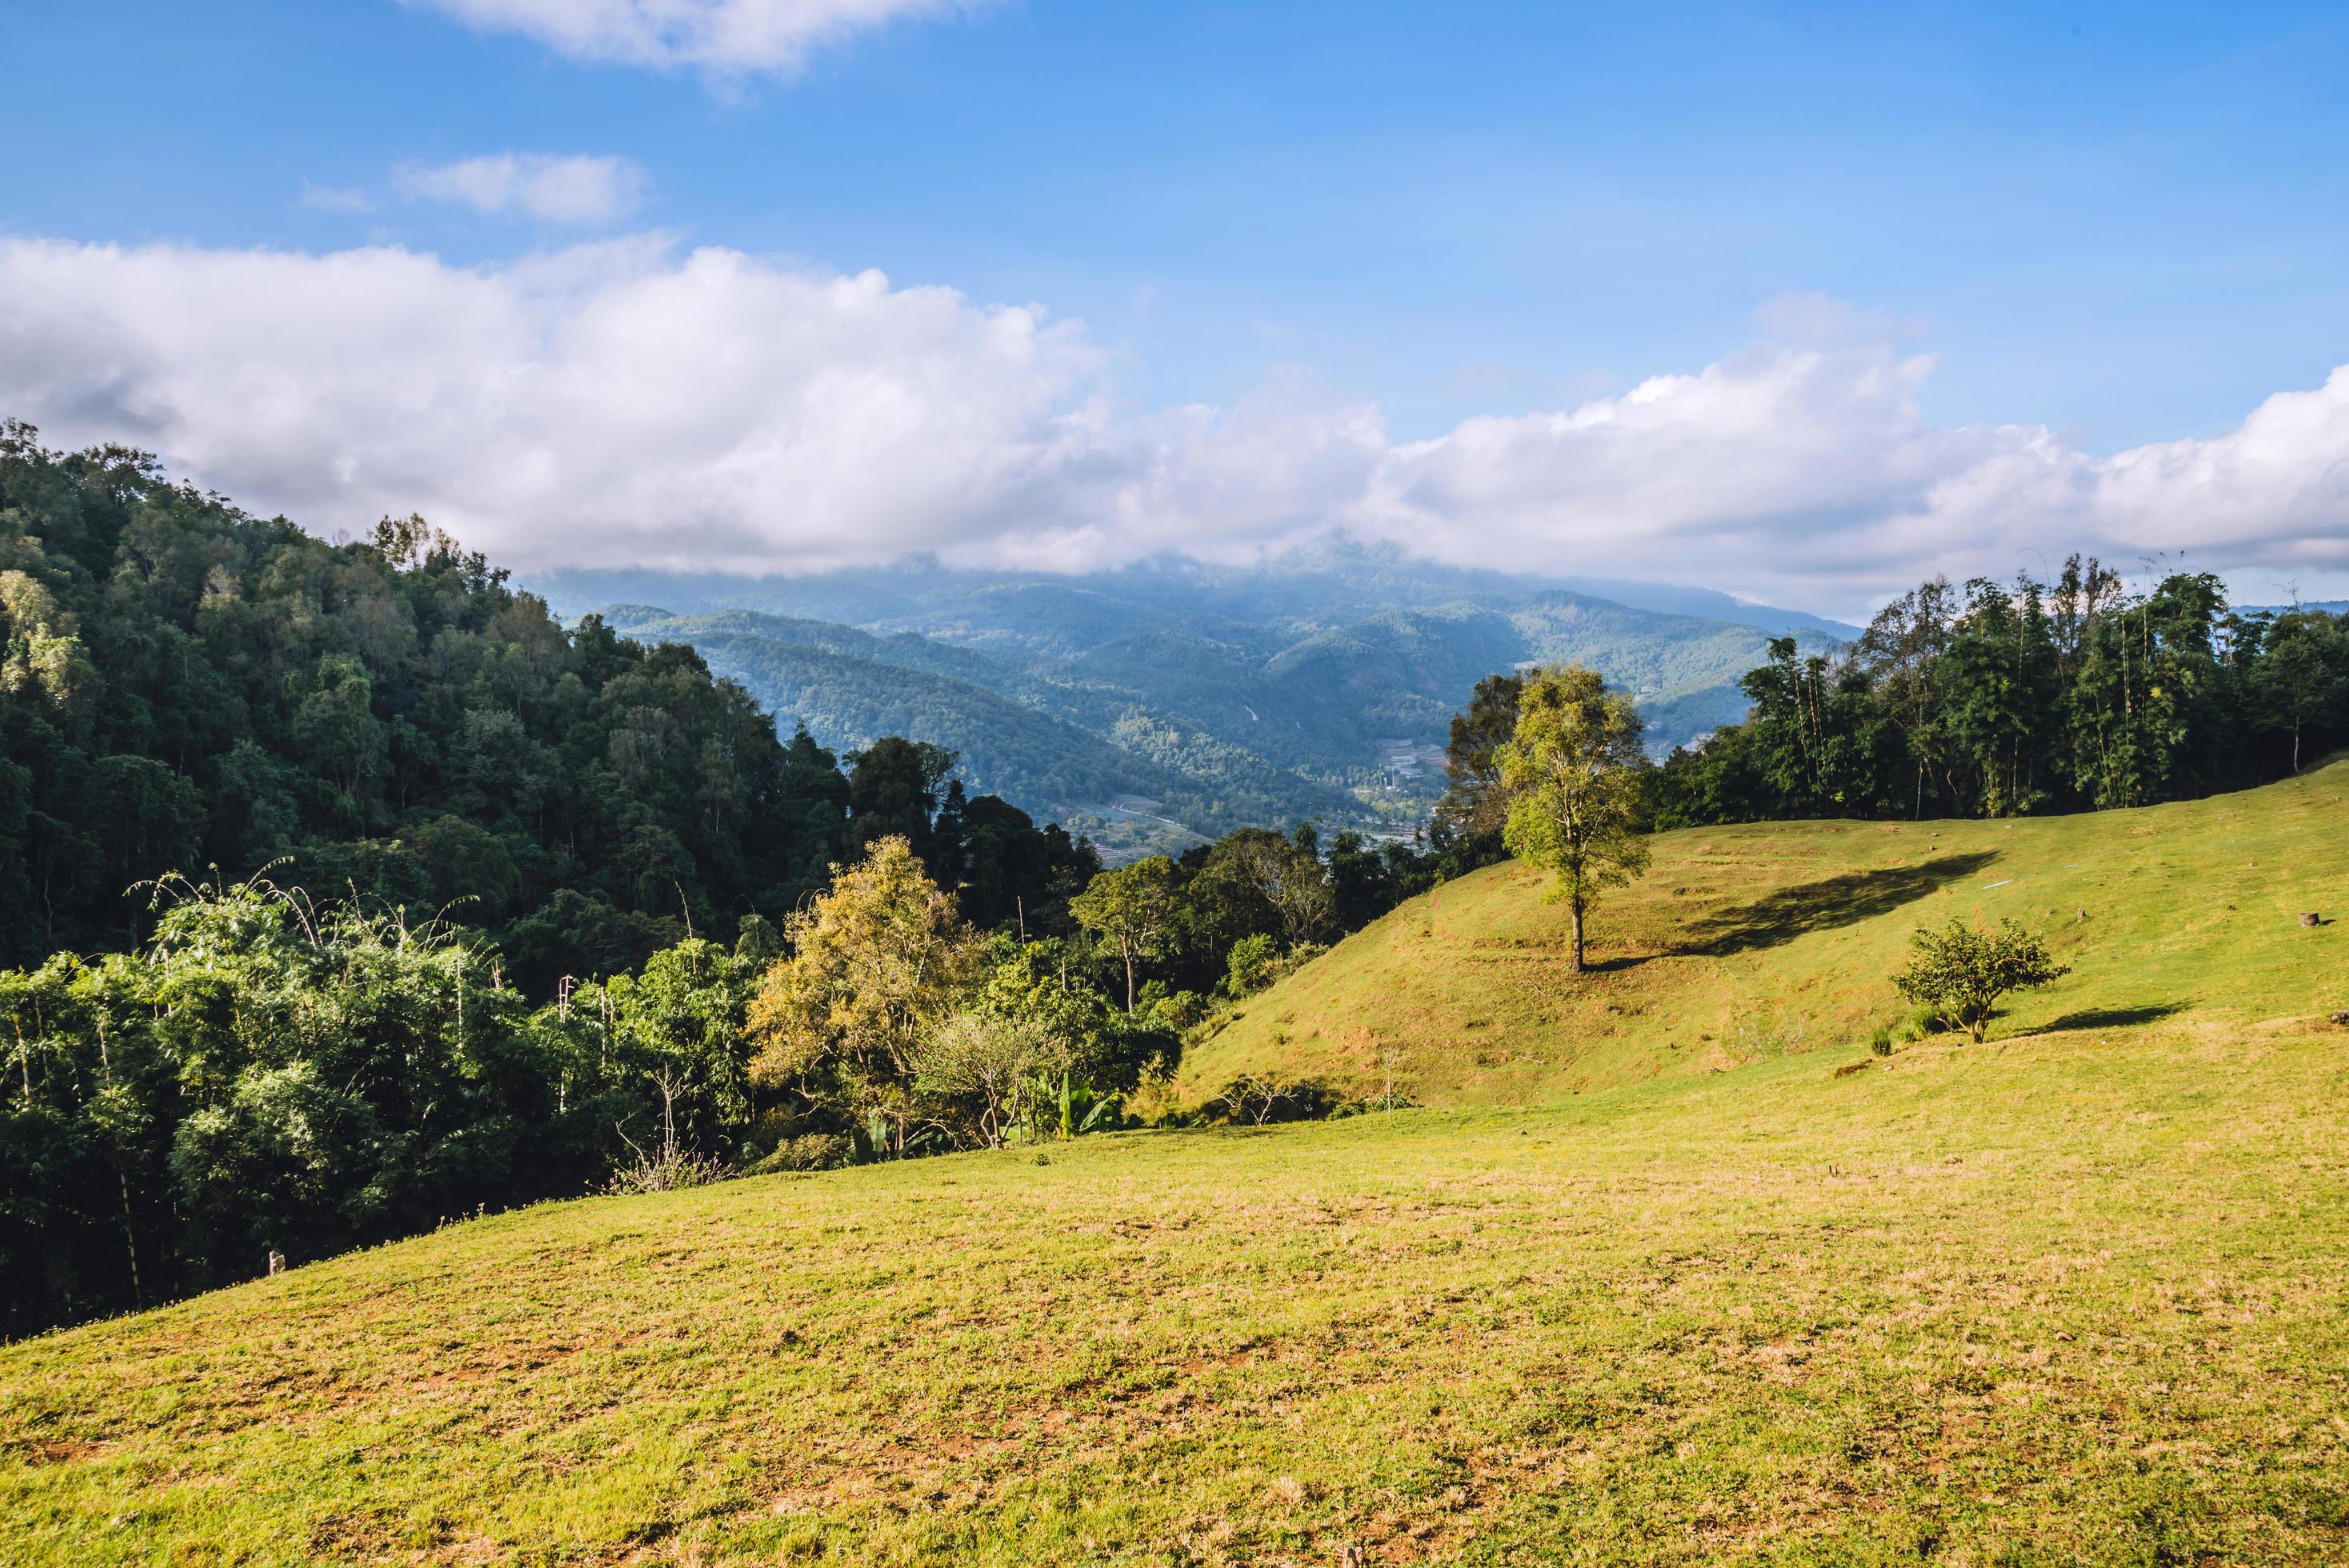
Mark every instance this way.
x=2071 y=1296
x=1748 y=943
x=2075 y=1299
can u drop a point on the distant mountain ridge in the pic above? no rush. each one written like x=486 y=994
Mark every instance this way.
x=1173 y=698
x=1334 y=580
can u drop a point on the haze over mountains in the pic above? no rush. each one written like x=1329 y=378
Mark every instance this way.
x=1161 y=702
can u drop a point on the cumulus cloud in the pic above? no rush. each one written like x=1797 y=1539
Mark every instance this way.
x=556 y=190
x=725 y=37
x=629 y=403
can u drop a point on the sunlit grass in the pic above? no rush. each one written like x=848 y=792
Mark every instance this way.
x=1747 y=942
x=2080 y=1295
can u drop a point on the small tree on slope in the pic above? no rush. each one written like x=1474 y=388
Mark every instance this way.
x=1577 y=781
x=1960 y=972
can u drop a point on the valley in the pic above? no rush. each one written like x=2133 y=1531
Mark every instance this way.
x=1279 y=694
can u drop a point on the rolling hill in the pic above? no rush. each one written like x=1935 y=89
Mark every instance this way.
x=1747 y=943
x=1668 y=1270
x=1200 y=698
x=1135 y=781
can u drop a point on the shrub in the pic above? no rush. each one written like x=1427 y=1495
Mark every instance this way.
x=1249 y=968
x=809 y=1151
x=1959 y=973
x=1260 y=1098
x=667 y=1170
x=1880 y=1043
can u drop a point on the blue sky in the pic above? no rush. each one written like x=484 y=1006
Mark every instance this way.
x=2118 y=226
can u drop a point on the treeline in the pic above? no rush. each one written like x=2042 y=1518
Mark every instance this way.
x=1996 y=700
x=271 y=1074
x=575 y=916
x=2006 y=699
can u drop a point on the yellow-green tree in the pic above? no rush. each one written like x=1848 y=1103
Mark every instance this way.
x=878 y=964
x=1578 y=780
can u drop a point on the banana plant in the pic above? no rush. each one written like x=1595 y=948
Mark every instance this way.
x=1069 y=1106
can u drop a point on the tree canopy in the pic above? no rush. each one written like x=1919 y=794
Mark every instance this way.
x=2003 y=699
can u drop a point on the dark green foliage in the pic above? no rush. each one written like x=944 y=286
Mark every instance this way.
x=268 y=1075
x=2009 y=699
x=894 y=790
x=503 y=811
x=1366 y=880
x=1012 y=876
x=1814 y=740
x=182 y=684
x=2299 y=674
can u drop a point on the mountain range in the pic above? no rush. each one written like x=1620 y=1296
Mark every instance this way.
x=1162 y=702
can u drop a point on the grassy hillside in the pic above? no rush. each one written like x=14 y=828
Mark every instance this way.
x=2072 y=1299
x=1747 y=943
x=2076 y=1295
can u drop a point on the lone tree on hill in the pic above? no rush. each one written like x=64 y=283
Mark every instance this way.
x=1577 y=779
x=1960 y=972
x=1129 y=910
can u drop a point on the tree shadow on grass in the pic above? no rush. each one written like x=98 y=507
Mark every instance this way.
x=1824 y=906
x=2112 y=1018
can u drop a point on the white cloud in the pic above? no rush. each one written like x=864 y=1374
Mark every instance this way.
x=623 y=402
x=725 y=37
x=556 y=190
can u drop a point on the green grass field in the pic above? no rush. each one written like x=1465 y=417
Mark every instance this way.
x=2078 y=1294
x=1749 y=943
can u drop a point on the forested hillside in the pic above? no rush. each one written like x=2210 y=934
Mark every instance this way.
x=1062 y=748
x=188 y=686
x=1318 y=687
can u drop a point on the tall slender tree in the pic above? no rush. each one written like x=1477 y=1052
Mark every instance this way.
x=1577 y=782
